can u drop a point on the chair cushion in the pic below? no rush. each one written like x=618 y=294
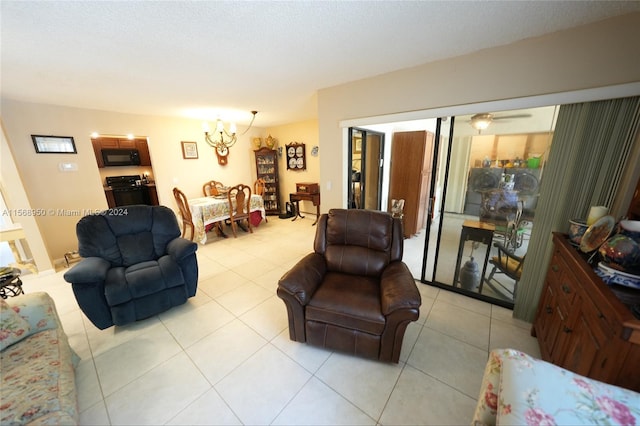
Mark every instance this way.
x=508 y=265
x=367 y=229
x=348 y=301
x=142 y=279
x=13 y=327
x=128 y=235
x=136 y=248
x=358 y=242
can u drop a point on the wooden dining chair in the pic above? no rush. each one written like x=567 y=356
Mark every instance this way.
x=212 y=188
x=259 y=187
x=239 y=197
x=185 y=212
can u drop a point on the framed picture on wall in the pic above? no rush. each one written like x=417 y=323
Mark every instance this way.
x=189 y=150
x=296 y=156
x=54 y=144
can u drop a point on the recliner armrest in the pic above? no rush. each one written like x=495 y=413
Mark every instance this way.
x=88 y=270
x=180 y=248
x=398 y=289
x=302 y=280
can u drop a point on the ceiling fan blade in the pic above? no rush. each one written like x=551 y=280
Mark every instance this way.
x=501 y=117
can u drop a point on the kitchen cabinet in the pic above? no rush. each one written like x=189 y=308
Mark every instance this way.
x=410 y=177
x=113 y=143
x=581 y=324
x=267 y=169
x=152 y=194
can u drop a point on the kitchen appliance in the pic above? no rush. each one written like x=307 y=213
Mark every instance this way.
x=127 y=190
x=121 y=157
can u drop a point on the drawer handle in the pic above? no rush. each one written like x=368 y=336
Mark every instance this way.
x=566 y=329
x=555 y=268
x=566 y=288
x=549 y=309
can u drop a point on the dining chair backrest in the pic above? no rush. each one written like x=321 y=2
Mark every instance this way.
x=185 y=212
x=211 y=188
x=239 y=198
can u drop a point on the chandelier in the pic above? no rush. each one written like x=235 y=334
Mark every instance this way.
x=221 y=137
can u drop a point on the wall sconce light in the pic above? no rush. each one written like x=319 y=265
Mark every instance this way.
x=481 y=121
x=280 y=151
x=222 y=137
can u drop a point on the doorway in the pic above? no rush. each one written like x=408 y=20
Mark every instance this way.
x=366 y=148
x=470 y=168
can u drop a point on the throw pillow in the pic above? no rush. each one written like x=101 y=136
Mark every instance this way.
x=13 y=327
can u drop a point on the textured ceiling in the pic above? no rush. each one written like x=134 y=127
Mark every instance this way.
x=209 y=58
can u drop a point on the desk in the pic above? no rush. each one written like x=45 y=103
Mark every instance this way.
x=208 y=210
x=296 y=197
x=473 y=230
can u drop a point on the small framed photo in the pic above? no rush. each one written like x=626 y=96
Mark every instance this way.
x=189 y=150
x=54 y=144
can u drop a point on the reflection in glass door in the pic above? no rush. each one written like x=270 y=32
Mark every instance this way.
x=365 y=179
x=485 y=194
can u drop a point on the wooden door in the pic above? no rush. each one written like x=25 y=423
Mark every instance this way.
x=410 y=177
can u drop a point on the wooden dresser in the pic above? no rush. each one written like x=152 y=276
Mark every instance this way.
x=582 y=325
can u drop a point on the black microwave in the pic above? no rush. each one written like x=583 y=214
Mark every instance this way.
x=121 y=157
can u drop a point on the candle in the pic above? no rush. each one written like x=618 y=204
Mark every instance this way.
x=595 y=213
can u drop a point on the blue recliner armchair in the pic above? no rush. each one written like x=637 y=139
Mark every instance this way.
x=134 y=266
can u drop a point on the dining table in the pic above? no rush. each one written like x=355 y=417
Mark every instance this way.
x=213 y=209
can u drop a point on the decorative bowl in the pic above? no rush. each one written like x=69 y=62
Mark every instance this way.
x=577 y=228
x=630 y=228
x=622 y=251
x=613 y=276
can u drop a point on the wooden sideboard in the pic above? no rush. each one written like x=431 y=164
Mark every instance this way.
x=581 y=325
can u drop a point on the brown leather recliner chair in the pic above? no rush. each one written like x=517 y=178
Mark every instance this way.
x=353 y=294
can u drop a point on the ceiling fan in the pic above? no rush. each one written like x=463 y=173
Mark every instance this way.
x=481 y=121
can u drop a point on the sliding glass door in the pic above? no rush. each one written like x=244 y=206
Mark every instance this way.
x=485 y=194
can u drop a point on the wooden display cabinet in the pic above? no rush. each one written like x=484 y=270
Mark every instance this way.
x=267 y=169
x=581 y=325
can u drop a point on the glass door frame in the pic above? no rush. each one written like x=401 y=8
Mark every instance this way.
x=364 y=167
x=423 y=279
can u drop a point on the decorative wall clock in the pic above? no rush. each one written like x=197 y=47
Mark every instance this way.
x=222 y=152
x=296 y=156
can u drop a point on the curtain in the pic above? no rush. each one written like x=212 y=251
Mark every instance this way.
x=591 y=144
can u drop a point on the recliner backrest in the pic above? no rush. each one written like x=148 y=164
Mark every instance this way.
x=358 y=242
x=127 y=235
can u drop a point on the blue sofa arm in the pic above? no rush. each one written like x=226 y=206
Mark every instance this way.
x=180 y=248
x=89 y=270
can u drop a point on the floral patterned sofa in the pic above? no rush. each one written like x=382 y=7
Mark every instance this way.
x=38 y=378
x=518 y=389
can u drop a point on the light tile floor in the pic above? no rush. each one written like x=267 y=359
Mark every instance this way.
x=225 y=356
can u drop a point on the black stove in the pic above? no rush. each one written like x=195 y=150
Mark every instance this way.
x=117 y=182
x=127 y=190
